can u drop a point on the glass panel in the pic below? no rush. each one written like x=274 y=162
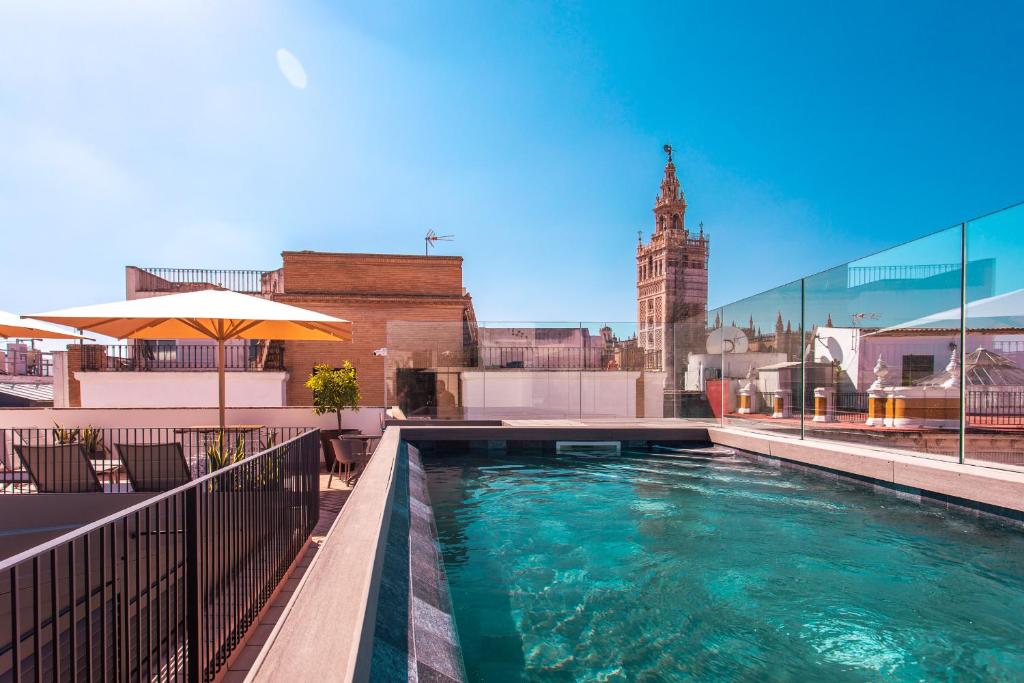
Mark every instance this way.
x=755 y=345
x=530 y=369
x=881 y=333
x=425 y=366
x=612 y=377
x=994 y=367
x=692 y=378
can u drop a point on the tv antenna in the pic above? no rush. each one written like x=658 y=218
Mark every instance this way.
x=432 y=238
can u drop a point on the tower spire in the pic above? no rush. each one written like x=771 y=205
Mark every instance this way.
x=670 y=204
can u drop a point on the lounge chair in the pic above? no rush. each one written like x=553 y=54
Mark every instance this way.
x=59 y=469
x=154 y=467
x=350 y=453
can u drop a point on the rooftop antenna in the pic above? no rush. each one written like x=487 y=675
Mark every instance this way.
x=432 y=238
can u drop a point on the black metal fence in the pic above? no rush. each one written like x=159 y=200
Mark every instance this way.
x=541 y=357
x=851 y=406
x=164 y=590
x=123 y=460
x=151 y=356
x=995 y=408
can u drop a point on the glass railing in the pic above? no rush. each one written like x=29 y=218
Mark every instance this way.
x=872 y=352
x=880 y=351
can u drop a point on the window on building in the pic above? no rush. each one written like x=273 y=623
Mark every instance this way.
x=917 y=367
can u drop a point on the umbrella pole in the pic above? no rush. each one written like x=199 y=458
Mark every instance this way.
x=220 y=382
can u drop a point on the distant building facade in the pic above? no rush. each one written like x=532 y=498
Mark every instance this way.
x=671 y=283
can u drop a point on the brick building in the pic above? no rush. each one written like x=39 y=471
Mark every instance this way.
x=375 y=292
x=386 y=296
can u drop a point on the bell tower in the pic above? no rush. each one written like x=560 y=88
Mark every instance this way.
x=671 y=284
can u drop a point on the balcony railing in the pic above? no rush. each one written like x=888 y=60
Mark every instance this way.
x=26 y=363
x=863 y=275
x=188 y=279
x=984 y=408
x=567 y=358
x=167 y=588
x=142 y=357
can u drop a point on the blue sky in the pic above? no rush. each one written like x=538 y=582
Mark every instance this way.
x=806 y=134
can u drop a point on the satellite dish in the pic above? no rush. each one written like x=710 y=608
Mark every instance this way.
x=727 y=339
x=835 y=350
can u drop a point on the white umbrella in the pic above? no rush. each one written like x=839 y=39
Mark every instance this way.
x=215 y=314
x=13 y=326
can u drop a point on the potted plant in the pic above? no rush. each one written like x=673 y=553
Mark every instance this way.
x=92 y=442
x=334 y=390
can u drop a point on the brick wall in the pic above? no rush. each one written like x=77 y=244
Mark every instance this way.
x=371 y=274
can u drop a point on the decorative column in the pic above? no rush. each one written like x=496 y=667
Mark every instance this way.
x=747 y=394
x=824 y=404
x=781 y=404
x=877 y=399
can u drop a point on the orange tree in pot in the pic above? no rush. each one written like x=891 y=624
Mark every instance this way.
x=334 y=390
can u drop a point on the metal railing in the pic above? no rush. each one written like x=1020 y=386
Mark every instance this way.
x=995 y=408
x=143 y=357
x=541 y=357
x=851 y=406
x=123 y=460
x=167 y=588
x=186 y=279
x=863 y=275
x=26 y=363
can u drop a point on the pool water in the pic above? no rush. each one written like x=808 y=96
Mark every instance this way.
x=647 y=567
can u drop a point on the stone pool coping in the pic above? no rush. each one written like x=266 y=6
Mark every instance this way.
x=328 y=628
x=993 y=490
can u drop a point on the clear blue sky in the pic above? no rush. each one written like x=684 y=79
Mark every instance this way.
x=807 y=134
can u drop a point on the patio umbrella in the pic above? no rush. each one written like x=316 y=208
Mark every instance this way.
x=13 y=326
x=215 y=314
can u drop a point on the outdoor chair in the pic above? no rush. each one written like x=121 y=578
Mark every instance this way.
x=350 y=453
x=59 y=469
x=154 y=467
x=325 y=443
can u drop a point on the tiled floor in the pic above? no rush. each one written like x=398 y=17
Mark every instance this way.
x=331 y=501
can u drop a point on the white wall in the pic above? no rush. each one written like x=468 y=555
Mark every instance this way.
x=522 y=393
x=365 y=419
x=180 y=389
x=60 y=379
x=858 y=352
x=736 y=365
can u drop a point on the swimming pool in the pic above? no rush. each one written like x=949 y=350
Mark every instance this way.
x=664 y=565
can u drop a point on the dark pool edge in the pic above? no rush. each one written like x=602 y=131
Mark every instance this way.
x=435 y=653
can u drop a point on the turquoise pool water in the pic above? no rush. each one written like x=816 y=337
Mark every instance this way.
x=648 y=568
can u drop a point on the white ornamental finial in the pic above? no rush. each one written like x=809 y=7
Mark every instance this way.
x=881 y=372
x=954 y=362
x=953 y=370
x=750 y=378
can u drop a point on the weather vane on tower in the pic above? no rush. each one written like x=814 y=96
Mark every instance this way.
x=668 y=151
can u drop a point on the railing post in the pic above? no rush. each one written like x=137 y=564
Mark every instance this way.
x=962 y=351
x=193 y=600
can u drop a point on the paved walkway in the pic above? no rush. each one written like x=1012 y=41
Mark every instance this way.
x=331 y=502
